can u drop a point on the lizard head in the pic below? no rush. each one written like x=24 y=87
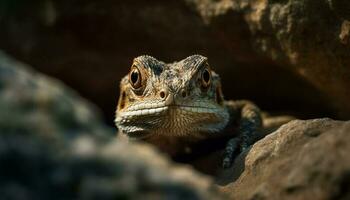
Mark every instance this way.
x=178 y=99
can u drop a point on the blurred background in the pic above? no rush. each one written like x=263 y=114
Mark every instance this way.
x=89 y=45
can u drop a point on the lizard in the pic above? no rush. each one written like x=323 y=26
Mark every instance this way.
x=172 y=105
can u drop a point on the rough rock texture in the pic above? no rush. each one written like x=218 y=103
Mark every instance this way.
x=309 y=37
x=90 y=45
x=301 y=160
x=53 y=146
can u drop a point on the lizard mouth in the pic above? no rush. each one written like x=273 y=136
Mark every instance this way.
x=137 y=135
x=171 y=119
x=163 y=109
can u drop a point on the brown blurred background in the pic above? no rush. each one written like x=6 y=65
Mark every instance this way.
x=89 y=45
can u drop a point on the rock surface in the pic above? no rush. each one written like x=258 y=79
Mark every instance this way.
x=301 y=160
x=53 y=145
x=90 y=45
x=308 y=37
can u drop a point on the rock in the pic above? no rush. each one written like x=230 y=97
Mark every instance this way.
x=307 y=37
x=301 y=160
x=53 y=145
x=90 y=45
x=43 y=105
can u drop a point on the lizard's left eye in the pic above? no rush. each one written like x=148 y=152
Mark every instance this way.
x=135 y=78
x=206 y=77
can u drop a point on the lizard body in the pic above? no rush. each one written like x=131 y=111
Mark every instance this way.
x=178 y=105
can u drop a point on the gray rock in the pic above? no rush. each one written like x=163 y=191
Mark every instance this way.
x=90 y=46
x=42 y=105
x=53 y=145
x=301 y=160
x=311 y=38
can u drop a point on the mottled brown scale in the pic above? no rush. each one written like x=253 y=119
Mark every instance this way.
x=179 y=107
x=122 y=100
x=219 y=97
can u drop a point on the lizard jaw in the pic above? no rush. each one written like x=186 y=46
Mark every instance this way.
x=139 y=123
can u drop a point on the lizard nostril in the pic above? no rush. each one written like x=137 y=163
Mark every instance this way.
x=162 y=94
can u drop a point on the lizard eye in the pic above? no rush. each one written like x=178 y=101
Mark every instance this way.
x=206 y=77
x=135 y=78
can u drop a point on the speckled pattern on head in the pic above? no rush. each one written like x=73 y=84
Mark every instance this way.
x=177 y=105
x=172 y=98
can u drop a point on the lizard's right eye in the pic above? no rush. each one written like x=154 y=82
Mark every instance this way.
x=206 y=76
x=135 y=78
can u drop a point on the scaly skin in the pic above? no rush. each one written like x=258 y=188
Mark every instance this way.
x=175 y=105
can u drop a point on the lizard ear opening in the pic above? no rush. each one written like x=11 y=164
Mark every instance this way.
x=218 y=95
